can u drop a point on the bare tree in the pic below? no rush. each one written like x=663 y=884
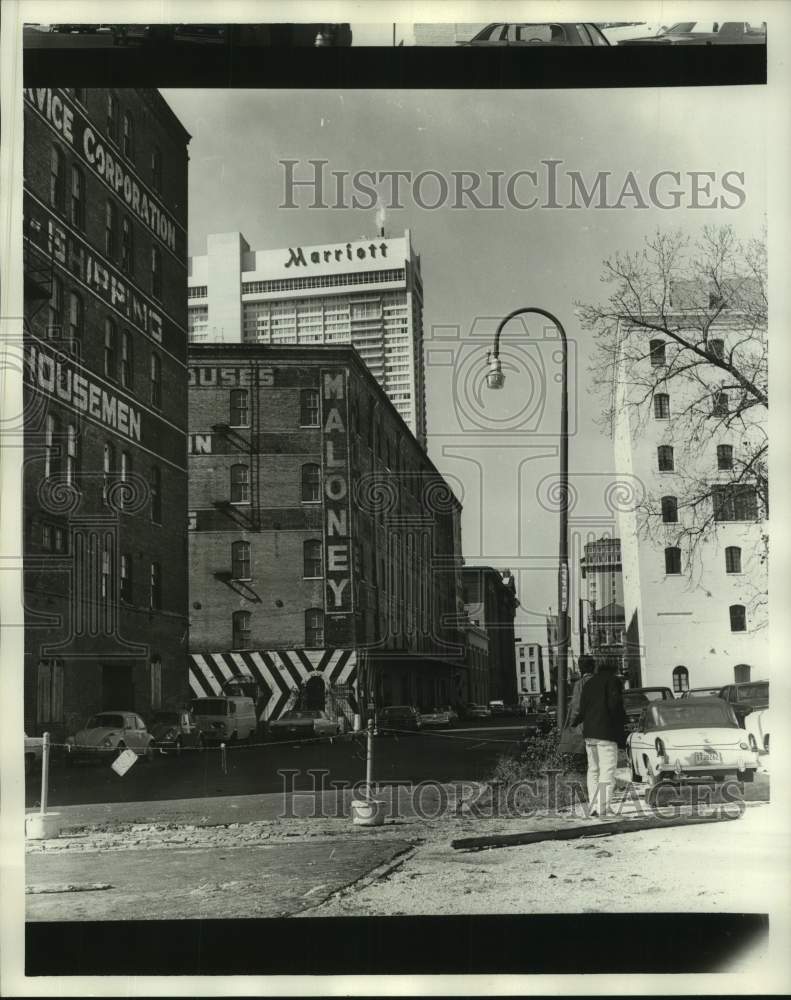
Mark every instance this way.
x=687 y=320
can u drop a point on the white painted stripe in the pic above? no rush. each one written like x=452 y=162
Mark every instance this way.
x=219 y=659
x=273 y=686
x=241 y=663
x=343 y=678
x=206 y=670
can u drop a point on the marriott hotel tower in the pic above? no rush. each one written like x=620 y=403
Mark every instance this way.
x=367 y=293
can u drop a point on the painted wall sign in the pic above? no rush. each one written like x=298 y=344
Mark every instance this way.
x=199 y=444
x=210 y=376
x=339 y=591
x=72 y=126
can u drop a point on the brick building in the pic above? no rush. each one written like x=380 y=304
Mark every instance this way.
x=490 y=599
x=105 y=343
x=325 y=548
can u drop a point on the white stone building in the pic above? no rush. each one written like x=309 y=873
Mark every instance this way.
x=530 y=679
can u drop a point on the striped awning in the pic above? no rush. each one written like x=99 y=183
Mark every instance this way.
x=280 y=671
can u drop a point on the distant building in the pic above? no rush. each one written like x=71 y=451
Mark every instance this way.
x=603 y=605
x=325 y=548
x=490 y=598
x=530 y=680
x=477 y=681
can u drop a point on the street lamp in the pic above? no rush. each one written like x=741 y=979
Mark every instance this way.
x=495 y=379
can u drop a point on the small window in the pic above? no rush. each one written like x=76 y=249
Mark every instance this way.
x=311 y=483
x=664 y=454
x=240 y=408
x=156 y=169
x=72 y=456
x=155 y=487
x=309 y=408
x=127 y=246
x=680 y=680
x=108 y=470
x=110 y=361
x=717 y=349
x=156 y=380
x=51 y=448
x=738 y=617
x=76 y=317
x=724 y=456
x=670 y=510
x=55 y=322
x=734 y=502
x=733 y=559
x=77 y=198
x=657 y=352
x=156 y=273
x=240 y=626
x=112 y=117
x=719 y=403
x=110 y=229
x=741 y=673
x=106 y=573
x=314 y=628
x=662 y=406
x=57 y=179
x=126 y=476
x=155 y=590
x=126 y=578
x=240 y=484
x=129 y=137
x=311 y=552
x=672 y=560
x=126 y=359
x=240 y=560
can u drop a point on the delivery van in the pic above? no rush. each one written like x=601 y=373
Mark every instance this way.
x=226 y=718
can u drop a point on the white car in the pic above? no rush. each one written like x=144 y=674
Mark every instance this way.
x=106 y=734
x=689 y=738
x=620 y=31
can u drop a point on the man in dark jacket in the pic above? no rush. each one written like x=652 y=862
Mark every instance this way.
x=603 y=719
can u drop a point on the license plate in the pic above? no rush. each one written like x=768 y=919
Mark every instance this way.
x=706 y=757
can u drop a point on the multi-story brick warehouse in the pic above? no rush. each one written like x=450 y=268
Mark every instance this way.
x=105 y=344
x=368 y=293
x=323 y=543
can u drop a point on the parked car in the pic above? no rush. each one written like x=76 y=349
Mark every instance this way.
x=225 y=718
x=33 y=752
x=106 y=734
x=701 y=693
x=705 y=33
x=635 y=700
x=399 y=717
x=452 y=713
x=512 y=34
x=173 y=730
x=619 y=31
x=746 y=697
x=682 y=739
x=474 y=711
x=302 y=723
x=497 y=707
x=435 y=718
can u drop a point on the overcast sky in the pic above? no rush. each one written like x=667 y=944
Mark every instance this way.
x=484 y=263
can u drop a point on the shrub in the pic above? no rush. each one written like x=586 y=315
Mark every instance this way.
x=558 y=778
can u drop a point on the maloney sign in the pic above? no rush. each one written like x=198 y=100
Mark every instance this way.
x=335 y=483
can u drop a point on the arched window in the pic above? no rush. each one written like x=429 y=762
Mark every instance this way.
x=240 y=408
x=661 y=406
x=664 y=457
x=741 y=673
x=738 y=615
x=657 y=349
x=314 y=628
x=77 y=198
x=311 y=558
x=670 y=510
x=240 y=484
x=672 y=559
x=724 y=456
x=57 y=179
x=680 y=679
x=311 y=483
x=240 y=625
x=240 y=560
x=719 y=403
x=733 y=559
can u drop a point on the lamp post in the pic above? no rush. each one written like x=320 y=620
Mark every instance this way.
x=495 y=379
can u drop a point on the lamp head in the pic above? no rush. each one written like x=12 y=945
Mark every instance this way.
x=494 y=377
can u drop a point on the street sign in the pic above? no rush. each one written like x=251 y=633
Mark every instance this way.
x=564 y=589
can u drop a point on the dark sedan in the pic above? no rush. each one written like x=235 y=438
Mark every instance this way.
x=706 y=33
x=746 y=697
x=173 y=731
x=302 y=723
x=635 y=700
x=395 y=718
x=539 y=34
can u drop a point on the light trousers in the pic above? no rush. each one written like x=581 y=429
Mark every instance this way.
x=602 y=761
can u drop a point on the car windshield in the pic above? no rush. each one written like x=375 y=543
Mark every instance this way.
x=683 y=715
x=749 y=692
x=633 y=699
x=170 y=717
x=105 y=721
x=210 y=706
x=694 y=28
x=702 y=693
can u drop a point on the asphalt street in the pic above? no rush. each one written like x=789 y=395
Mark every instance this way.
x=464 y=753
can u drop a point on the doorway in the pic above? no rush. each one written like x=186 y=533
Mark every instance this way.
x=314 y=694
x=118 y=688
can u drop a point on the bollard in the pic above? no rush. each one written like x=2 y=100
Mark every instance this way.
x=368 y=811
x=44 y=772
x=43 y=825
x=358 y=722
x=369 y=761
x=223 y=761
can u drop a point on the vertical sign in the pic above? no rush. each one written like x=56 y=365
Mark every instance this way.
x=339 y=590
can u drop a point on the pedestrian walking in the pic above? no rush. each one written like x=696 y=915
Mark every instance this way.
x=572 y=741
x=601 y=712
